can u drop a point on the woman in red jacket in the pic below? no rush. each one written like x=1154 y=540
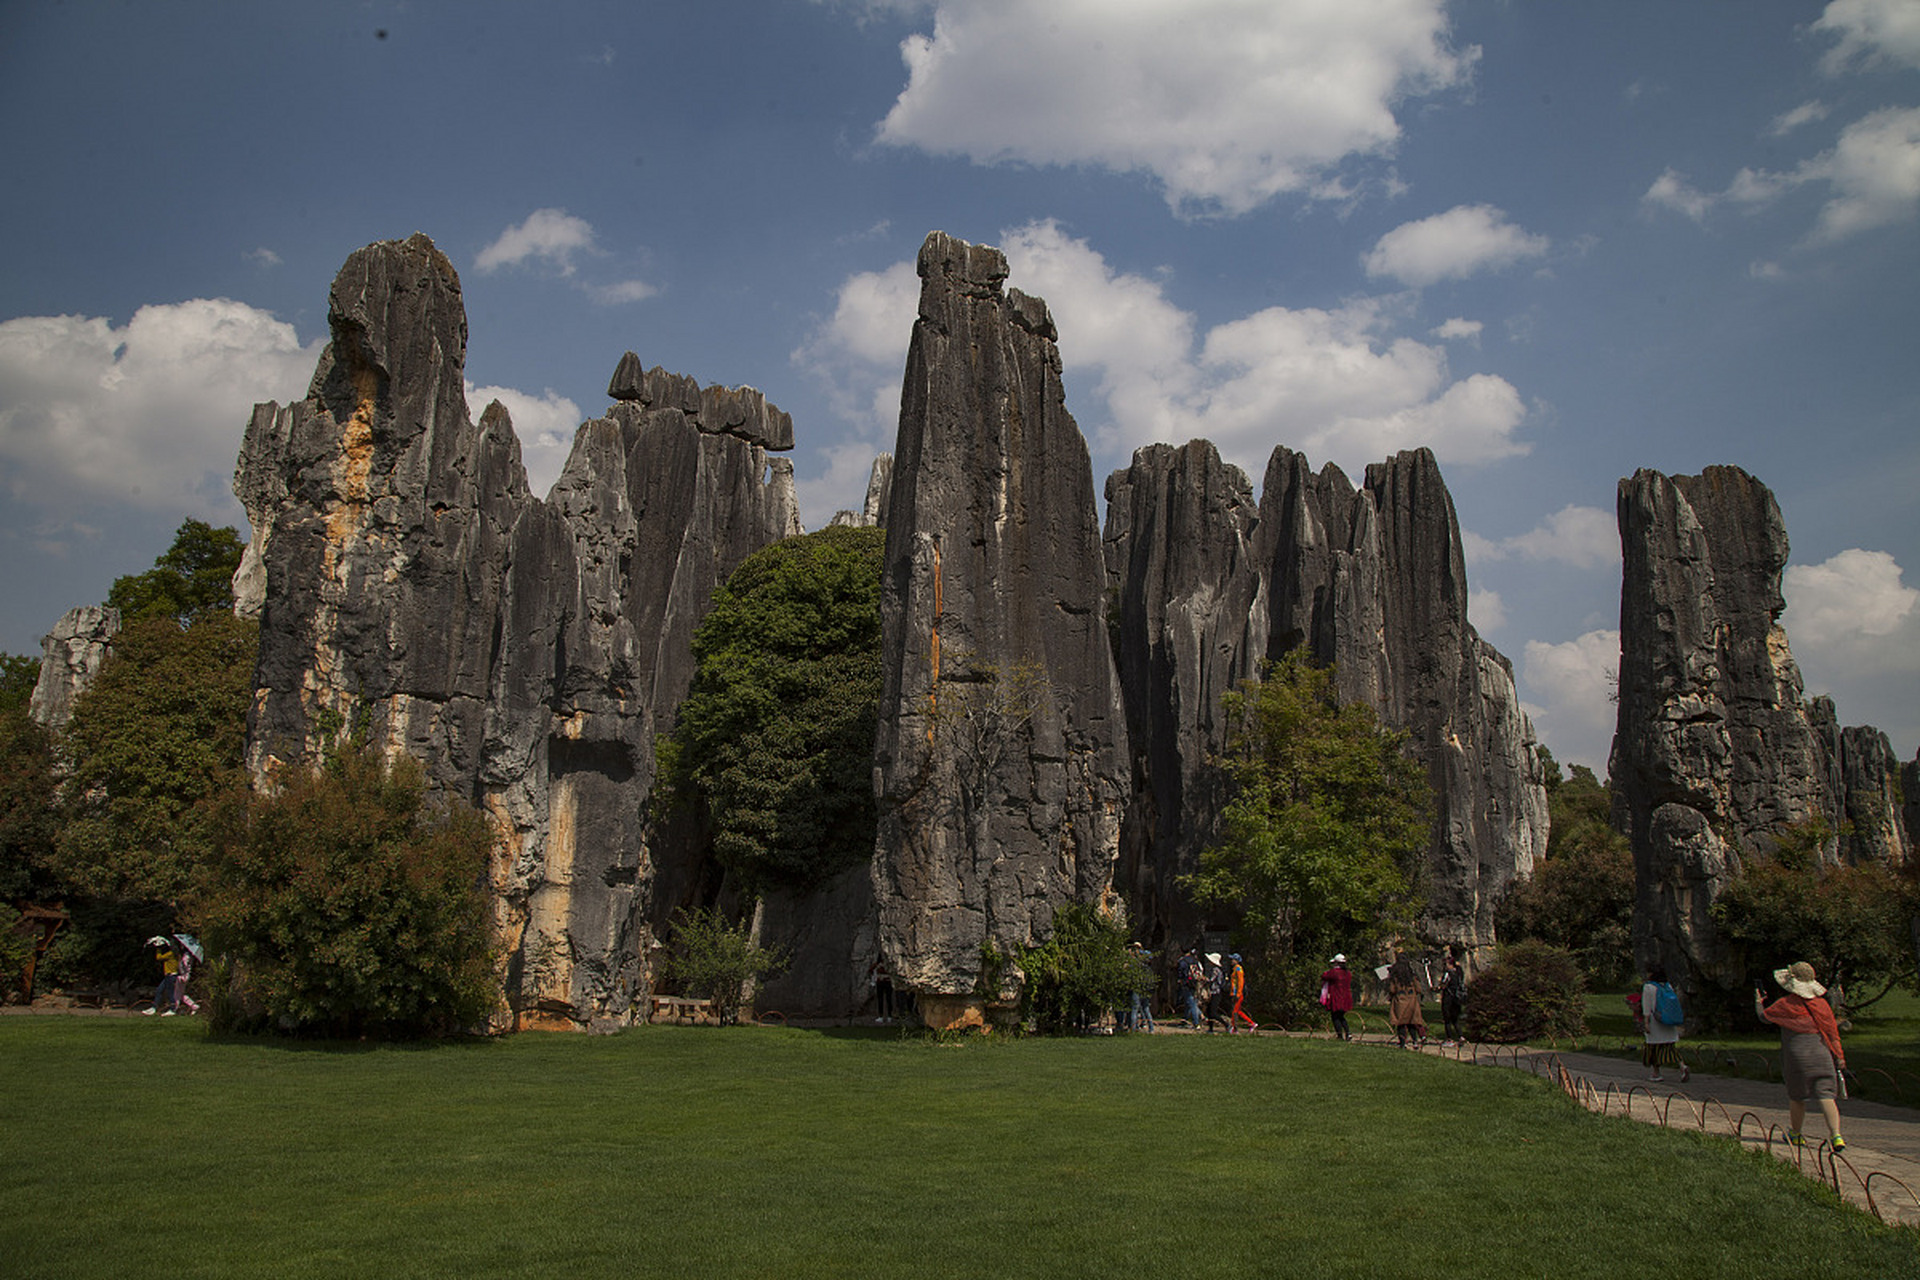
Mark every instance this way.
x=1338 y=984
x=1811 y=1058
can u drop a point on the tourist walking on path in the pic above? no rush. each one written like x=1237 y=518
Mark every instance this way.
x=1140 y=1013
x=1336 y=993
x=1216 y=991
x=1811 y=1058
x=1403 y=1004
x=181 y=979
x=1191 y=978
x=1237 y=990
x=169 y=971
x=1453 y=994
x=1660 y=1036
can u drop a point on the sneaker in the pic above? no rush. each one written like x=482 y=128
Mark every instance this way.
x=167 y=1014
x=1839 y=1143
x=1795 y=1138
x=149 y=1012
x=1657 y=1078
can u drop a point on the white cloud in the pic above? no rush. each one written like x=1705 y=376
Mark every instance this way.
x=1806 y=113
x=1458 y=328
x=622 y=291
x=1453 y=245
x=1875 y=172
x=1873 y=32
x=1671 y=190
x=1486 y=610
x=1227 y=102
x=1855 y=595
x=262 y=257
x=550 y=235
x=150 y=414
x=1571 y=689
x=545 y=425
x=1581 y=537
x=1336 y=384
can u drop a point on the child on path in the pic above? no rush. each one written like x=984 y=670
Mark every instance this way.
x=1237 y=988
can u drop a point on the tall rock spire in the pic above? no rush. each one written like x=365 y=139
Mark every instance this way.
x=1001 y=757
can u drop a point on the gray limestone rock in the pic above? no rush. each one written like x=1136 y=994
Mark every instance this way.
x=1715 y=756
x=1001 y=761
x=70 y=658
x=528 y=652
x=1370 y=580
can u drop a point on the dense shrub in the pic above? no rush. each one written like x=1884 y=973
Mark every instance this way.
x=351 y=903
x=1580 y=895
x=1080 y=972
x=1533 y=991
x=715 y=959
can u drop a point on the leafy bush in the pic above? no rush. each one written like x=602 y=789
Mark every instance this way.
x=350 y=903
x=1080 y=972
x=1532 y=991
x=715 y=959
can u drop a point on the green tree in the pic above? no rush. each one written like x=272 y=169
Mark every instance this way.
x=192 y=579
x=159 y=736
x=18 y=675
x=1580 y=895
x=1849 y=922
x=1322 y=843
x=715 y=959
x=350 y=902
x=1080 y=972
x=775 y=737
x=27 y=790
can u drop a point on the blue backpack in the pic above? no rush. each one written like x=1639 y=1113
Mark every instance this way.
x=1666 y=1005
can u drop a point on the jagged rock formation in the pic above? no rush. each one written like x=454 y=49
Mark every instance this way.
x=1001 y=762
x=1716 y=757
x=879 y=489
x=528 y=652
x=70 y=658
x=1372 y=581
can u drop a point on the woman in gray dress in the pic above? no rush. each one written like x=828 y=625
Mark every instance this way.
x=1811 y=1058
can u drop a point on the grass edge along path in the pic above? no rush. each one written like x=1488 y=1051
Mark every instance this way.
x=135 y=1146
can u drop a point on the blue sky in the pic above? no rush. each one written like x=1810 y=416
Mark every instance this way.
x=1554 y=242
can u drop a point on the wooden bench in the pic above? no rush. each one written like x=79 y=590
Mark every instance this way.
x=679 y=1009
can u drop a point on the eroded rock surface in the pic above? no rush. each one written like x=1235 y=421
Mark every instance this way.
x=528 y=652
x=1371 y=580
x=1716 y=757
x=1001 y=761
x=70 y=658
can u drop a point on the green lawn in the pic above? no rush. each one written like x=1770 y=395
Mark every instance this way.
x=139 y=1148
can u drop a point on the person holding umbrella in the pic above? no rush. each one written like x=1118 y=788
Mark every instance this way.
x=190 y=953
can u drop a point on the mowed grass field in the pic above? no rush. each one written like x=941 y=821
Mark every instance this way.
x=133 y=1148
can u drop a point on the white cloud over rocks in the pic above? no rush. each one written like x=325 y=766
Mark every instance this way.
x=1581 y=537
x=545 y=425
x=1336 y=384
x=553 y=236
x=149 y=414
x=1461 y=242
x=1855 y=632
x=1227 y=102
x=1568 y=691
x=1870 y=33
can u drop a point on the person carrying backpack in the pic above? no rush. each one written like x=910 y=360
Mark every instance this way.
x=1660 y=1004
x=1190 y=977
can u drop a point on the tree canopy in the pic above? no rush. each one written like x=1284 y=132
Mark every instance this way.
x=1322 y=843
x=775 y=737
x=192 y=579
x=1580 y=896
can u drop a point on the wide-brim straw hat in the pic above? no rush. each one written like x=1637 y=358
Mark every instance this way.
x=1799 y=978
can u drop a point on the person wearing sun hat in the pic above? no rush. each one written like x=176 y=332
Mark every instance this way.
x=1811 y=1058
x=1336 y=994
